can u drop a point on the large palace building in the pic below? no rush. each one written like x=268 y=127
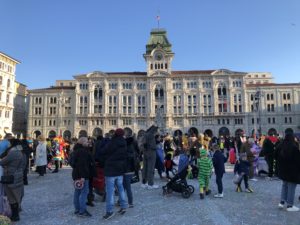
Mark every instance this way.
x=218 y=102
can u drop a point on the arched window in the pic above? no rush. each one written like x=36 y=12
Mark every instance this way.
x=8 y=83
x=1 y=80
x=98 y=93
x=40 y=100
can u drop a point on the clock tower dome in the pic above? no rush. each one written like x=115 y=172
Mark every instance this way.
x=159 y=53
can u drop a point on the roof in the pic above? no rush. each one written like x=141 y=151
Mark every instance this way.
x=158 y=37
x=192 y=72
x=13 y=59
x=53 y=88
x=273 y=84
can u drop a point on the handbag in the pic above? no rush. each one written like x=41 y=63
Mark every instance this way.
x=7 y=179
x=238 y=178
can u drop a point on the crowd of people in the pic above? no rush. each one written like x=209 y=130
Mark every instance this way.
x=118 y=159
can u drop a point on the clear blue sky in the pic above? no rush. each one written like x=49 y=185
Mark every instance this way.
x=56 y=39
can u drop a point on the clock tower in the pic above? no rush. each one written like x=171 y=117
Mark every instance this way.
x=159 y=53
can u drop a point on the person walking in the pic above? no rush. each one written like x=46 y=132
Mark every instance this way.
x=115 y=160
x=149 y=158
x=41 y=156
x=288 y=155
x=218 y=162
x=80 y=161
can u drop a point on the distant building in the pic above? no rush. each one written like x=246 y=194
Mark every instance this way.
x=217 y=102
x=20 y=113
x=7 y=92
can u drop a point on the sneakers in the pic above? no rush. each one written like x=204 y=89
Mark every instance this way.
x=130 y=205
x=108 y=215
x=154 y=186
x=122 y=211
x=84 y=214
x=76 y=212
x=208 y=192
x=253 y=179
x=238 y=189
x=219 y=195
x=249 y=190
x=144 y=185
x=292 y=209
x=281 y=205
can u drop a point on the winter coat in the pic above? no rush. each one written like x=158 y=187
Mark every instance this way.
x=150 y=138
x=242 y=166
x=14 y=164
x=41 y=154
x=288 y=163
x=99 y=150
x=81 y=162
x=218 y=161
x=131 y=155
x=115 y=158
x=246 y=148
x=268 y=148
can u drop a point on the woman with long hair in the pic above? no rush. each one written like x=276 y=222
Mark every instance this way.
x=288 y=157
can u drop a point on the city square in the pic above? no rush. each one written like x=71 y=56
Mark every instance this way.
x=94 y=93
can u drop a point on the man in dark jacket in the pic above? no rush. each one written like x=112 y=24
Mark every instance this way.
x=218 y=161
x=115 y=165
x=149 y=158
x=269 y=151
x=81 y=163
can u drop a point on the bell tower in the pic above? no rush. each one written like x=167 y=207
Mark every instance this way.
x=159 y=53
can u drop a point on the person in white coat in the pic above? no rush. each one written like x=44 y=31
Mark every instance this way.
x=41 y=156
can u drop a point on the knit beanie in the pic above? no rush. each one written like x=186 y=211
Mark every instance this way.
x=119 y=132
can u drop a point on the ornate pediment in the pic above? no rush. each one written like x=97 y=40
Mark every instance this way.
x=159 y=74
x=96 y=74
x=222 y=72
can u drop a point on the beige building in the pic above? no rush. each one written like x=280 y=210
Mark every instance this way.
x=20 y=115
x=7 y=92
x=217 y=102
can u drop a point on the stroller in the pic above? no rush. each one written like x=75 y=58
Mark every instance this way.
x=178 y=184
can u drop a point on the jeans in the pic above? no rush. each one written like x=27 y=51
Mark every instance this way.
x=219 y=183
x=80 y=196
x=127 y=187
x=288 y=192
x=109 y=187
x=245 y=177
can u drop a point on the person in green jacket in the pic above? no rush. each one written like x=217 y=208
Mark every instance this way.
x=205 y=166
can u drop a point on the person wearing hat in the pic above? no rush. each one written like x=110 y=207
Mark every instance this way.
x=80 y=161
x=205 y=166
x=115 y=166
x=218 y=162
x=41 y=155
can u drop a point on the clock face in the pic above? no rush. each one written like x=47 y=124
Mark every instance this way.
x=158 y=56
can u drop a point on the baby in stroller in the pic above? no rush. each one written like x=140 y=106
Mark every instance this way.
x=178 y=183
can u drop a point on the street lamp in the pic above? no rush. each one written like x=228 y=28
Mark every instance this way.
x=257 y=97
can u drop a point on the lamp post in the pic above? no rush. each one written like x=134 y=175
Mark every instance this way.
x=61 y=105
x=257 y=97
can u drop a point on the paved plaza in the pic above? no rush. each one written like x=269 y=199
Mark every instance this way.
x=48 y=201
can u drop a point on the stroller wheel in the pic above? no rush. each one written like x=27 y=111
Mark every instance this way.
x=191 y=189
x=186 y=193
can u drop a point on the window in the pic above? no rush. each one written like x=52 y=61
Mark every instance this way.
x=141 y=105
x=127 y=104
x=112 y=122
x=127 y=122
x=191 y=84
x=177 y=85
x=127 y=86
x=177 y=104
x=8 y=83
x=112 y=86
x=141 y=86
x=112 y=104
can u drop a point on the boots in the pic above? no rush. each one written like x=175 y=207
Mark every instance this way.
x=15 y=212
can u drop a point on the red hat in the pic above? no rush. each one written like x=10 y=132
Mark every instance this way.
x=119 y=132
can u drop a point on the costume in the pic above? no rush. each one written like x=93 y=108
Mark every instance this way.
x=205 y=168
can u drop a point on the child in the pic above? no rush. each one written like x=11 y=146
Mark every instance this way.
x=218 y=161
x=205 y=168
x=169 y=163
x=242 y=168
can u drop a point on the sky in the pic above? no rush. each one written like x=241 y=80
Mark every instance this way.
x=57 y=39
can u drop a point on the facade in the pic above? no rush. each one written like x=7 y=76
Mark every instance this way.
x=19 y=127
x=7 y=92
x=218 y=102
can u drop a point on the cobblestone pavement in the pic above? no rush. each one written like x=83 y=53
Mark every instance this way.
x=48 y=201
